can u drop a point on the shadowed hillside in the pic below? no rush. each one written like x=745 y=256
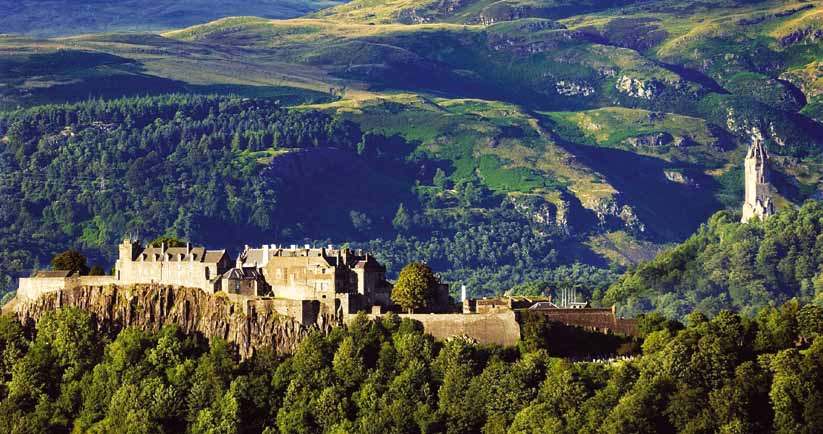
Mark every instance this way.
x=74 y=17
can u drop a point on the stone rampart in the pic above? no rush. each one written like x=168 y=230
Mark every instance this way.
x=489 y=328
x=31 y=288
x=599 y=320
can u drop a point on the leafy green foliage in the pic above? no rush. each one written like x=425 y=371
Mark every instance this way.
x=715 y=375
x=87 y=174
x=415 y=287
x=70 y=260
x=168 y=241
x=731 y=265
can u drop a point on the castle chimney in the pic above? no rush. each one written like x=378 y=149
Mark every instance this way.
x=188 y=248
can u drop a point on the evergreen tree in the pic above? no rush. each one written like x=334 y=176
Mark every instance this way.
x=402 y=220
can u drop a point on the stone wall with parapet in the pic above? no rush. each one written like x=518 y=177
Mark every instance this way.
x=486 y=328
x=597 y=320
x=31 y=288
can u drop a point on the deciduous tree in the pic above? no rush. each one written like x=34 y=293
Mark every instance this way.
x=415 y=287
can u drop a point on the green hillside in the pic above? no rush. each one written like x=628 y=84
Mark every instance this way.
x=726 y=264
x=73 y=17
x=609 y=128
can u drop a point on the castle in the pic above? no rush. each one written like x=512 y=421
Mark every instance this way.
x=758 y=201
x=322 y=280
x=314 y=287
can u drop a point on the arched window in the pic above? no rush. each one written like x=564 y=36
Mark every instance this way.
x=208 y=272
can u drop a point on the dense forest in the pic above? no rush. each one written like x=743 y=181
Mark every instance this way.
x=226 y=171
x=727 y=374
x=731 y=265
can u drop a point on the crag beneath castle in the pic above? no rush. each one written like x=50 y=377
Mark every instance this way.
x=247 y=324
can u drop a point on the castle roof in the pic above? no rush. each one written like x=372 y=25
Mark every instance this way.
x=254 y=257
x=244 y=273
x=369 y=264
x=173 y=254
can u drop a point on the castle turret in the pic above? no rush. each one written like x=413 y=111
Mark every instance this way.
x=758 y=201
x=128 y=249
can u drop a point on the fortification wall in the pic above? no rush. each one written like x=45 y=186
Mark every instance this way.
x=31 y=288
x=490 y=328
x=600 y=320
x=190 y=274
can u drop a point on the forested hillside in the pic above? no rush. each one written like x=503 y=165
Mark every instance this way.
x=731 y=265
x=727 y=374
x=228 y=171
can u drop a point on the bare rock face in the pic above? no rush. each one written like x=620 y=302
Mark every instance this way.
x=637 y=88
x=249 y=325
x=574 y=88
x=651 y=140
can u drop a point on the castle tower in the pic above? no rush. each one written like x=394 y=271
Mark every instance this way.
x=758 y=200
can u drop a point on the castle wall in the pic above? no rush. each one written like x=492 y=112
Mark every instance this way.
x=190 y=274
x=244 y=287
x=305 y=312
x=487 y=329
x=598 y=320
x=300 y=277
x=31 y=288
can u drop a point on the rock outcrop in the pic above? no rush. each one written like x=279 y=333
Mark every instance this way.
x=651 y=140
x=637 y=88
x=248 y=324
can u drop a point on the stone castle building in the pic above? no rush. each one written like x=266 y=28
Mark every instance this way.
x=191 y=267
x=324 y=280
x=758 y=201
x=319 y=273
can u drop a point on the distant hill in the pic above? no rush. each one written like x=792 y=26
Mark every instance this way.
x=609 y=128
x=73 y=17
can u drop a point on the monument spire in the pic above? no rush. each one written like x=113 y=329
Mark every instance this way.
x=758 y=200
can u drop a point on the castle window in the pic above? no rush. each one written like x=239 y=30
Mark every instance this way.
x=207 y=273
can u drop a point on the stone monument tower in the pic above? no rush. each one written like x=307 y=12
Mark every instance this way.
x=758 y=200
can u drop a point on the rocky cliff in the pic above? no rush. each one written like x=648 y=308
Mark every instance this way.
x=249 y=325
